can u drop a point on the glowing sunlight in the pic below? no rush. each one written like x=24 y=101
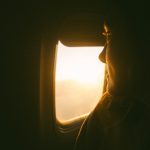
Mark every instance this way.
x=79 y=80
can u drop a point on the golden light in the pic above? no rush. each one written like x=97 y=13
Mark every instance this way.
x=79 y=66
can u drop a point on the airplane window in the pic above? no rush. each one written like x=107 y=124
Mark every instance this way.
x=79 y=81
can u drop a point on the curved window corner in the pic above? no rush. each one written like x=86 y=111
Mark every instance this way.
x=78 y=82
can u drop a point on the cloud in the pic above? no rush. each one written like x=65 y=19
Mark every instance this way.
x=74 y=99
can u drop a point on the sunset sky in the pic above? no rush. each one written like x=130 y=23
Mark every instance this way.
x=79 y=80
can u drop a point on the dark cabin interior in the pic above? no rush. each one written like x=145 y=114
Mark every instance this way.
x=29 y=37
x=30 y=32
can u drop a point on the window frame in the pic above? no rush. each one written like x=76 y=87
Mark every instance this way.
x=73 y=125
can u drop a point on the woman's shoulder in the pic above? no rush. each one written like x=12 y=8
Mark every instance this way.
x=112 y=110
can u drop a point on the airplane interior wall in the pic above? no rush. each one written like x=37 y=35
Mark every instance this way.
x=20 y=51
x=23 y=26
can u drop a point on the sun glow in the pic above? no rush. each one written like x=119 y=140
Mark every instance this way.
x=79 y=80
x=79 y=64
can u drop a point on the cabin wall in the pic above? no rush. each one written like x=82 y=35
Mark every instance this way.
x=20 y=48
x=24 y=27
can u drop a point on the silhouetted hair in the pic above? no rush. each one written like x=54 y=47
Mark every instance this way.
x=130 y=25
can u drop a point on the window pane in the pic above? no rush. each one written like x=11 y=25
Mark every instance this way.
x=79 y=80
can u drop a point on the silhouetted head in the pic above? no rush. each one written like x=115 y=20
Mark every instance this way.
x=126 y=52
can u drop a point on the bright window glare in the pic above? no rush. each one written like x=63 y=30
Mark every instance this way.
x=79 y=80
